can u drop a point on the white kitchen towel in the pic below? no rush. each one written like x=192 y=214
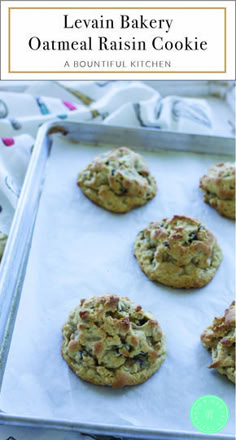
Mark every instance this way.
x=125 y=103
x=14 y=158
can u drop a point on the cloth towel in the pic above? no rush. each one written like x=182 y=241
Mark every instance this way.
x=124 y=103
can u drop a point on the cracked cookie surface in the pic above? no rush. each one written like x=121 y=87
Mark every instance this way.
x=118 y=180
x=3 y=240
x=219 y=337
x=218 y=187
x=108 y=340
x=178 y=252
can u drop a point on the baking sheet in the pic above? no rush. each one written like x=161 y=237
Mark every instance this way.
x=80 y=250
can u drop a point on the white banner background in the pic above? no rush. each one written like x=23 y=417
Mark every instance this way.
x=48 y=24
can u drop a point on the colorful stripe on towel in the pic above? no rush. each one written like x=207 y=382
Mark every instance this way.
x=42 y=106
x=8 y=142
x=69 y=105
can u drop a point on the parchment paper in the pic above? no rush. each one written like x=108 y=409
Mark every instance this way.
x=80 y=250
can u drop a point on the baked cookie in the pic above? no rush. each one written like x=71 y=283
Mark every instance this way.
x=219 y=188
x=219 y=337
x=179 y=252
x=118 y=180
x=3 y=240
x=109 y=340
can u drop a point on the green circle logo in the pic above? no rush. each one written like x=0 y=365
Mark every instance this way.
x=209 y=414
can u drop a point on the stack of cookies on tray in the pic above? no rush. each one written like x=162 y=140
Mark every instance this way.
x=109 y=340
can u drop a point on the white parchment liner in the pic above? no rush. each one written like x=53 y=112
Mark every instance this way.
x=80 y=250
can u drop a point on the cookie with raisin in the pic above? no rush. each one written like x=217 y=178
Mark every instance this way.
x=218 y=187
x=219 y=338
x=118 y=180
x=109 y=340
x=178 y=252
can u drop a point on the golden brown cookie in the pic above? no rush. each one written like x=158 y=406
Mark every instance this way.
x=218 y=187
x=108 y=340
x=219 y=337
x=118 y=180
x=179 y=252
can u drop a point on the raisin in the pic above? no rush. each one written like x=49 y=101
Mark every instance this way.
x=192 y=236
x=116 y=348
x=142 y=359
x=128 y=347
x=142 y=321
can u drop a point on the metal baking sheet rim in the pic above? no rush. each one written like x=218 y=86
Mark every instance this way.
x=114 y=430
x=146 y=138
x=11 y=287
